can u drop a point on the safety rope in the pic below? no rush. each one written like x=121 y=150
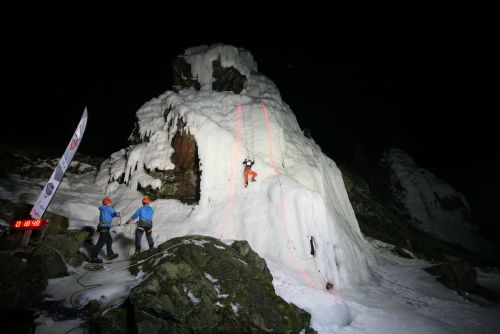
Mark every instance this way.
x=282 y=203
x=235 y=163
x=357 y=240
x=92 y=286
x=320 y=274
x=240 y=106
x=138 y=262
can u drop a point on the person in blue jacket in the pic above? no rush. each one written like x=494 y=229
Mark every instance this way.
x=145 y=214
x=107 y=213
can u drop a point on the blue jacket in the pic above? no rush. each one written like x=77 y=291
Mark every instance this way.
x=145 y=214
x=106 y=215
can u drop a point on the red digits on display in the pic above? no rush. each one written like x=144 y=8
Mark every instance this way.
x=29 y=224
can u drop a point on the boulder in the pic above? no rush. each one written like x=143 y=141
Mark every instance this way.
x=197 y=284
x=459 y=276
x=58 y=250
x=57 y=223
x=117 y=320
x=21 y=284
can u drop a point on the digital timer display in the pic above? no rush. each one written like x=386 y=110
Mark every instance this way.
x=29 y=224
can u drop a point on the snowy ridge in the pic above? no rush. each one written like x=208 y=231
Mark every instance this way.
x=434 y=206
x=299 y=193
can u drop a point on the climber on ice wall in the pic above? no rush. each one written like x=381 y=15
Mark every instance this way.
x=248 y=162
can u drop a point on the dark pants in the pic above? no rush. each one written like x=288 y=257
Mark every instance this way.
x=104 y=238
x=138 y=236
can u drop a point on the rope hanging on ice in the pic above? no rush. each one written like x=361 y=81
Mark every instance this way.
x=328 y=285
x=249 y=148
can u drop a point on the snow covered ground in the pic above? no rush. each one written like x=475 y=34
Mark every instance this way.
x=402 y=299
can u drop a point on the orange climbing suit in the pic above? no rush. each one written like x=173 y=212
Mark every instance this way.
x=248 y=171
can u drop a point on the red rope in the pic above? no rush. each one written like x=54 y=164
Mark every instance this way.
x=307 y=278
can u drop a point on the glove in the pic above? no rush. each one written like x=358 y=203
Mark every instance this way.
x=118 y=214
x=128 y=222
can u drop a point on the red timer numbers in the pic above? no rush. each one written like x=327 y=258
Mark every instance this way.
x=29 y=224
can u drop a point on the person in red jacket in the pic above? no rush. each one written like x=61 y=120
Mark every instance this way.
x=248 y=170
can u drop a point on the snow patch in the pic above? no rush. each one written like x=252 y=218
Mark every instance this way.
x=235 y=308
x=198 y=243
x=211 y=278
x=192 y=297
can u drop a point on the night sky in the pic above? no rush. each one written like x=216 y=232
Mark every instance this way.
x=381 y=84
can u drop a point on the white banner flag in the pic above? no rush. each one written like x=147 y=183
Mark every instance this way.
x=55 y=180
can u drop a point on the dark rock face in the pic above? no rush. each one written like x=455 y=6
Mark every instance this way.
x=24 y=274
x=9 y=212
x=198 y=284
x=57 y=224
x=21 y=284
x=182 y=74
x=118 y=320
x=183 y=182
x=459 y=276
x=379 y=218
x=57 y=250
x=12 y=163
x=430 y=204
x=40 y=165
x=227 y=78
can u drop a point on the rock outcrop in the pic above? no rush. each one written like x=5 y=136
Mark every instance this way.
x=25 y=271
x=182 y=182
x=399 y=203
x=219 y=73
x=197 y=284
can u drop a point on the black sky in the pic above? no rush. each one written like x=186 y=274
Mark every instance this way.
x=378 y=83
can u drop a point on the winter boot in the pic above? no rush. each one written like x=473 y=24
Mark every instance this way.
x=246 y=185
x=114 y=256
x=95 y=260
x=253 y=180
